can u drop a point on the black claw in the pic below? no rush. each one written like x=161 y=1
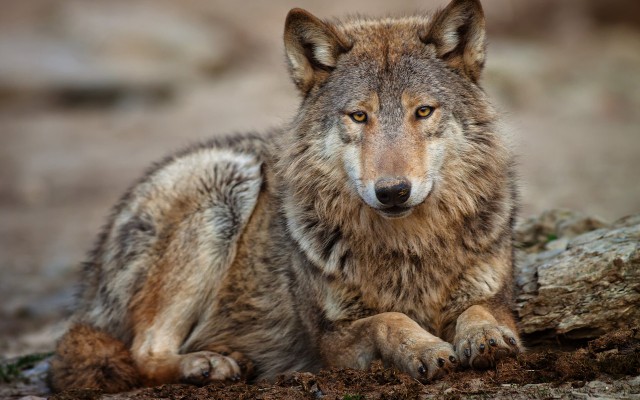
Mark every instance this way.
x=440 y=362
x=467 y=352
x=205 y=374
x=422 y=370
x=481 y=347
x=512 y=341
x=492 y=342
x=453 y=359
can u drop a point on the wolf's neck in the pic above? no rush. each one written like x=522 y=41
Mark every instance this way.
x=335 y=230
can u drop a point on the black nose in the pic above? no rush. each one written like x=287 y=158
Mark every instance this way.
x=393 y=191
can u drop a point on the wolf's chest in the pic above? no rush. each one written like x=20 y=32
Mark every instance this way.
x=418 y=287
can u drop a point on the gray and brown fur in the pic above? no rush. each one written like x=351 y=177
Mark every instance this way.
x=259 y=255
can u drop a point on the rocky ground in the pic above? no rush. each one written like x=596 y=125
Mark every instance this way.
x=83 y=112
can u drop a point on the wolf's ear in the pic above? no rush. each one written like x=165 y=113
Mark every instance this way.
x=312 y=48
x=458 y=34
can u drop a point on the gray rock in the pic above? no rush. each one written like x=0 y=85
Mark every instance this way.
x=536 y=233
x=584 y=285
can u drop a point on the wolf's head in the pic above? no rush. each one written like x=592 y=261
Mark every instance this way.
x=390 y=101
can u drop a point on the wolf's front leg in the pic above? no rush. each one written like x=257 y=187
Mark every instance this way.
x=393 y=337
x=481 y=339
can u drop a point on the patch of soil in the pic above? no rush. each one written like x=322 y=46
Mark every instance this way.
x=616 y=354
x=611 y=359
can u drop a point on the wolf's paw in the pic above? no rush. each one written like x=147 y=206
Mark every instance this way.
x=430 y=361
x=205 y=366
x=481 y=346
x=245 y=364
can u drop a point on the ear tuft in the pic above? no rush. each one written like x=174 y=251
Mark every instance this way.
x=458 y=34
x=312 y=48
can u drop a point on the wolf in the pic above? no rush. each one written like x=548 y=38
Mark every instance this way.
x=376 y=225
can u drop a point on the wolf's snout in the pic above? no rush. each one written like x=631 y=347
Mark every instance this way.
x=393 y=191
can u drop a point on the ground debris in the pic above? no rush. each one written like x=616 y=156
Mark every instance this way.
x=608 y=366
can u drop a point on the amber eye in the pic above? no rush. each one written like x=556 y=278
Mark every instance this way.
x=424 y=112
x=359 y=116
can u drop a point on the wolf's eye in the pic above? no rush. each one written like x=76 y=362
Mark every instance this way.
x=424 y=112
x=359 y=116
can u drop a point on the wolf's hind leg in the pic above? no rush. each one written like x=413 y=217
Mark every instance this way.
x=245 y=364
x=201 y=367
x=217 y=364
x=212 y=195
x=197 y=368
x=171 y=302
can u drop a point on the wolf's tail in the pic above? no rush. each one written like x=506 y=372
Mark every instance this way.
x=89 y=358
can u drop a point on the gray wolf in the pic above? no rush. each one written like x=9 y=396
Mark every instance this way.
x=376 y=225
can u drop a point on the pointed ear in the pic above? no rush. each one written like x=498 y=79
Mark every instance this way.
x=312 y=48
x=458 y=34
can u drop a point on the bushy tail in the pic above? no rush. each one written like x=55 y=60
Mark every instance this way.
x=88 y=358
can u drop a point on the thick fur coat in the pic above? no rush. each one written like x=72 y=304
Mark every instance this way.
x=376 y=225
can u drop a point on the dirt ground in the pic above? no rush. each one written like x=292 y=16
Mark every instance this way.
x=83 y=113
x=608 y=367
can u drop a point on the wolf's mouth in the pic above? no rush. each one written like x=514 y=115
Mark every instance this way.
x=395 y=212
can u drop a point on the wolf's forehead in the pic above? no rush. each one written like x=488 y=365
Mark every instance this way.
x=387 y=58
x=387 y=37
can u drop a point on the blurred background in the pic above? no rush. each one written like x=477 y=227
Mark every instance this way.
x=93 y=91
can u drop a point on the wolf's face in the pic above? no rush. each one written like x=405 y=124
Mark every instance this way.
x=385 y=97
x=390 y=132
